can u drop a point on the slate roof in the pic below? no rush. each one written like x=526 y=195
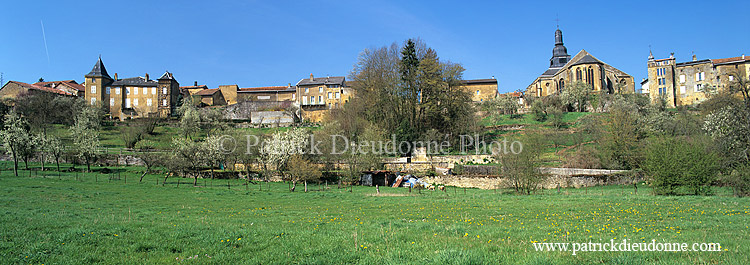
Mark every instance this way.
x=135 y=81
x=551 y=71
x=480 y=81
x=166 y=76
x=333 y=80
x=99 y=70
x=586 y=59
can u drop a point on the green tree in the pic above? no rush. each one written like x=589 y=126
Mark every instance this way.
x=576 y=96
x=301 y=169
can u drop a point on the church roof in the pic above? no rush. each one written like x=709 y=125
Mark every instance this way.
x=99 y=70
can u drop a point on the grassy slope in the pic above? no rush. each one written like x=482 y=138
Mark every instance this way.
x=51 y=221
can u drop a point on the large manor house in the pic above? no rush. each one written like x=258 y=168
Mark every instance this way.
x=677 y=83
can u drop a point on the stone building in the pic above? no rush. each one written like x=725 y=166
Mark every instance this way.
x=210 y=97
x=317 y=95
x=269 y=93
x=583 y=67
x=686 y=83
x=481 y=89
x=131 y=97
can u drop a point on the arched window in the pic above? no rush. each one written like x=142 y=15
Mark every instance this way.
x=561 y=85
x=590 y=77
x=578 y=74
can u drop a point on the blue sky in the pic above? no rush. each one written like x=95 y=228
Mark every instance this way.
x=265 y=43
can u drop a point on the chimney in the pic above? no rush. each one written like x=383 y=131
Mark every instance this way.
x=116 y=77
x=493 y=77
x=289 y=85
x=743 y=56
x=671 y=55
x=146 y=76
x=694 y=58
x=195 y=84
x=311 y=77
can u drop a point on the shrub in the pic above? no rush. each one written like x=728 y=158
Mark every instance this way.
x=675 y=162
x=739 y=180
x=556 y=118
x=537 y=110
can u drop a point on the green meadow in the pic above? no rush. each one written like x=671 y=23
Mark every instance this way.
x=84 y=218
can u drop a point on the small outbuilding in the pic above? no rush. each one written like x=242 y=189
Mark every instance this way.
x=378 y=177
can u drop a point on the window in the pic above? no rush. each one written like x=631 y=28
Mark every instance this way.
x=127 y=103
x=111 y=101
x=109 y=89
x=304 y=100
x=145 y=90
x=682 y=79
x=135 y=91
x=164 y=90
x=135 y=102
x=93 y=80
x=294 y=96
x=93 y=101
x=579 y=74
x=477 y=92
x=93 y=89
x=338 y=95
x=700 y=76
x=148 y=102
x=683 y=89
x=699 y=88
x=117 y=90
x=330 y=95
x=307 y=90
x=127 y=91
x=312 y=100
x=164 y=102
x=731 y=78
x=153 y=91
x=320 y=99
x=320 y=89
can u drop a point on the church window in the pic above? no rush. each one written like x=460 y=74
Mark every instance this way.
x=578 y=74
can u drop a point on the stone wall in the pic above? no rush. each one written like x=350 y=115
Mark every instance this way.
x=562 y=177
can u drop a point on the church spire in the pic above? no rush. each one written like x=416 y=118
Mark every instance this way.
x=559 y=54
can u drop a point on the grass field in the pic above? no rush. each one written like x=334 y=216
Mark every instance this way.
x=51 y=219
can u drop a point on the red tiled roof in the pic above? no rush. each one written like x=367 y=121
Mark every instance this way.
x=41 y=88
x=207 y=92
x=512 y=94
x=264 y=88
x=69 y=83
x=731 y=59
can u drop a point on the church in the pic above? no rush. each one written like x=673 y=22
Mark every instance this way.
x=583 y=67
